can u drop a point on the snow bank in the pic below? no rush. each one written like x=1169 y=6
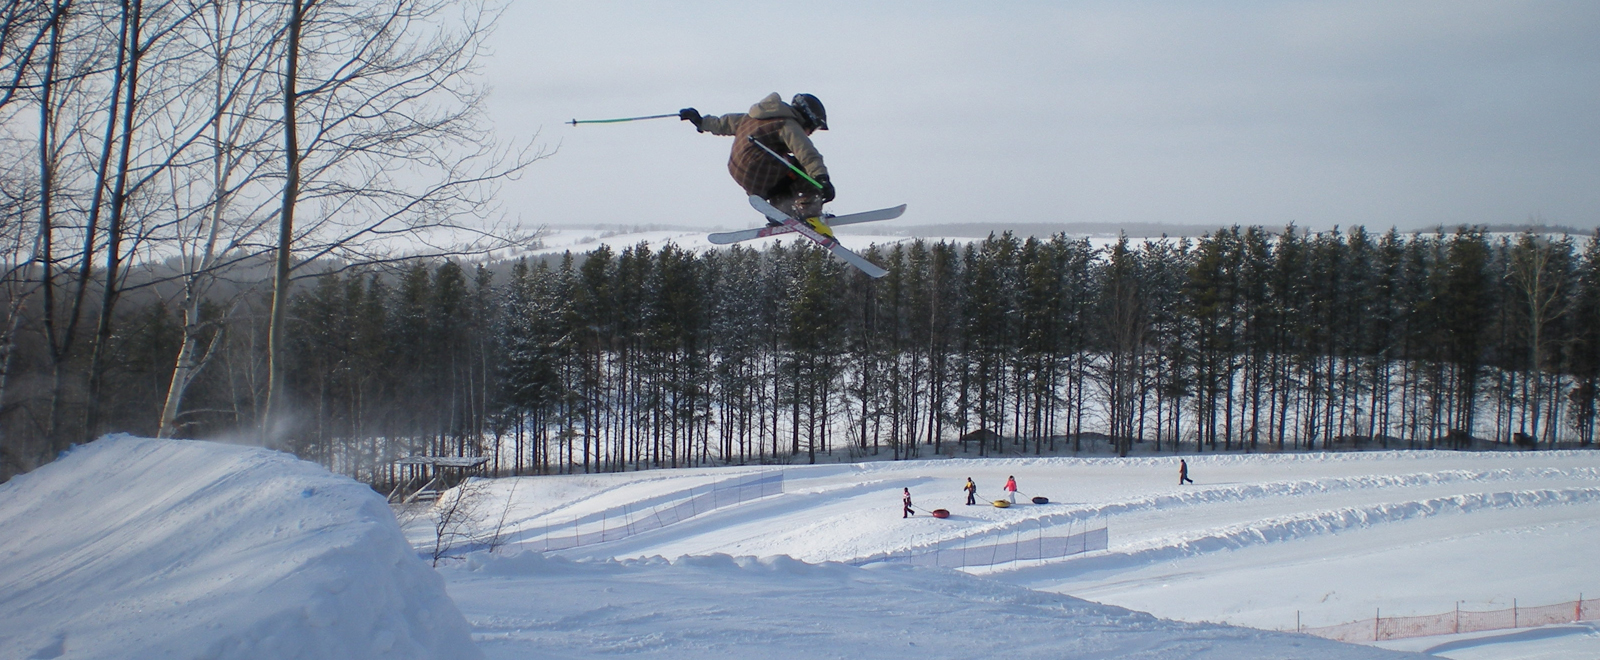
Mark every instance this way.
x=137 y=548
x=718 y=606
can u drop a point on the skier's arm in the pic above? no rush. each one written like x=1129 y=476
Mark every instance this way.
x=724 y=125
x=804 y=151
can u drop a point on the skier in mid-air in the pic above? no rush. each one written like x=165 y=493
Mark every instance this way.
x=786 y=129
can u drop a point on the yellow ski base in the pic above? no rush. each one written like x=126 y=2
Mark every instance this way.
x=821 y=227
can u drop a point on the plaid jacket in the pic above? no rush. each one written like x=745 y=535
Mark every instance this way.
x=776 y=125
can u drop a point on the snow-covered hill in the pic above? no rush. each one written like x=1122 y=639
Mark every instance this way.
x=1264 y=541
x=716 y=606
x=137 y=548
x=149 y=548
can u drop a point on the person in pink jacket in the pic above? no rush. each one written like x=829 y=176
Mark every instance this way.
x=907 y=512
x=1011 y=488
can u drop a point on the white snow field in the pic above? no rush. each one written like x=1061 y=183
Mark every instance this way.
x=1258 y=542
x=136 y=548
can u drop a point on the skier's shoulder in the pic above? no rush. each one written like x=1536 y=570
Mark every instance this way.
x=773 y=107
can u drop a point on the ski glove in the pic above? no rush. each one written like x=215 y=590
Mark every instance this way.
x=692 y=116
x=827 y=189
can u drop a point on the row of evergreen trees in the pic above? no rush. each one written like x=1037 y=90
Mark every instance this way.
x=1240 y=340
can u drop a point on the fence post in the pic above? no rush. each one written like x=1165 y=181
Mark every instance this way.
x=1458 y=617
x=1577 y=614
x=1513 y=613
x=1376 y=618
x=1297 y=626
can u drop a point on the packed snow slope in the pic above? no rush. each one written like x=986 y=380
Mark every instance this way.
x=1260 y=540
x=137 y=548
x=716 y=606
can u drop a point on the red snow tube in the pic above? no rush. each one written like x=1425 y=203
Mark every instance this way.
x=1041 y=500
x=941 y=513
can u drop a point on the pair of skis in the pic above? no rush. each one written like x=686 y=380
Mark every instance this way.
x=819 y=230
x=816 y=229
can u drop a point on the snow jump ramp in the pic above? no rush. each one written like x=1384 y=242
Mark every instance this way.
x=136 y=548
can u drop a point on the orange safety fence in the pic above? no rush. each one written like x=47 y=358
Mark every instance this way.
x=1380 y=627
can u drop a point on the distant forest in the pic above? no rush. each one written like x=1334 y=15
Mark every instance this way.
x=1242 y=340
x=275 y=222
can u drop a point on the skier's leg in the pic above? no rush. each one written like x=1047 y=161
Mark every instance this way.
x=789 y=196
x=807 y=206
x=781 y=197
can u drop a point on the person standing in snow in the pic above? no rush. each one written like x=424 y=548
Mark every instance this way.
x=785 y=128
x=907 y=499
x=972 y=492
x=1183 y=472
x=1011 y=488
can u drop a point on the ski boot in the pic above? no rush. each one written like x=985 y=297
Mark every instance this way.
x=820 y=224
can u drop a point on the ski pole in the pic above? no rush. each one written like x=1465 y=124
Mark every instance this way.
x=785 y=161
x=575 y=122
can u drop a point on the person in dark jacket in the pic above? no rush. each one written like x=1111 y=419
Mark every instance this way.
x=1183 y=473
x=907 y=500
x=972 y=492
x=784 y=128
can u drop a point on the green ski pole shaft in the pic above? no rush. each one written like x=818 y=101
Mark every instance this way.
x=785 y=161
x=575 y=122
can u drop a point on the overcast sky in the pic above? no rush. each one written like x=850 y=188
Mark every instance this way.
x=1379 y=113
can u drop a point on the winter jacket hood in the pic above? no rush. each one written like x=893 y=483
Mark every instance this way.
x=773 y=107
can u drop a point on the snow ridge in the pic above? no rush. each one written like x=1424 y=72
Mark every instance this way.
x=1091 y=514
x=1295 y=527
x=138 y=548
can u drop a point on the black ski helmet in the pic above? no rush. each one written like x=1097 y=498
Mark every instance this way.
x=811 y=111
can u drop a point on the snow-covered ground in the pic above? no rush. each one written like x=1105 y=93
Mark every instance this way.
x=1259 y=541
x=136 y=548
x=147 y=548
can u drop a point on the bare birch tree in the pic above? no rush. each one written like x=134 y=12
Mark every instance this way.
x=386 y=155
x=1539 y=271
x=231 y=209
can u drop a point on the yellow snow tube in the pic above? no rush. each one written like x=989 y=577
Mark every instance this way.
x=1001 y=504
